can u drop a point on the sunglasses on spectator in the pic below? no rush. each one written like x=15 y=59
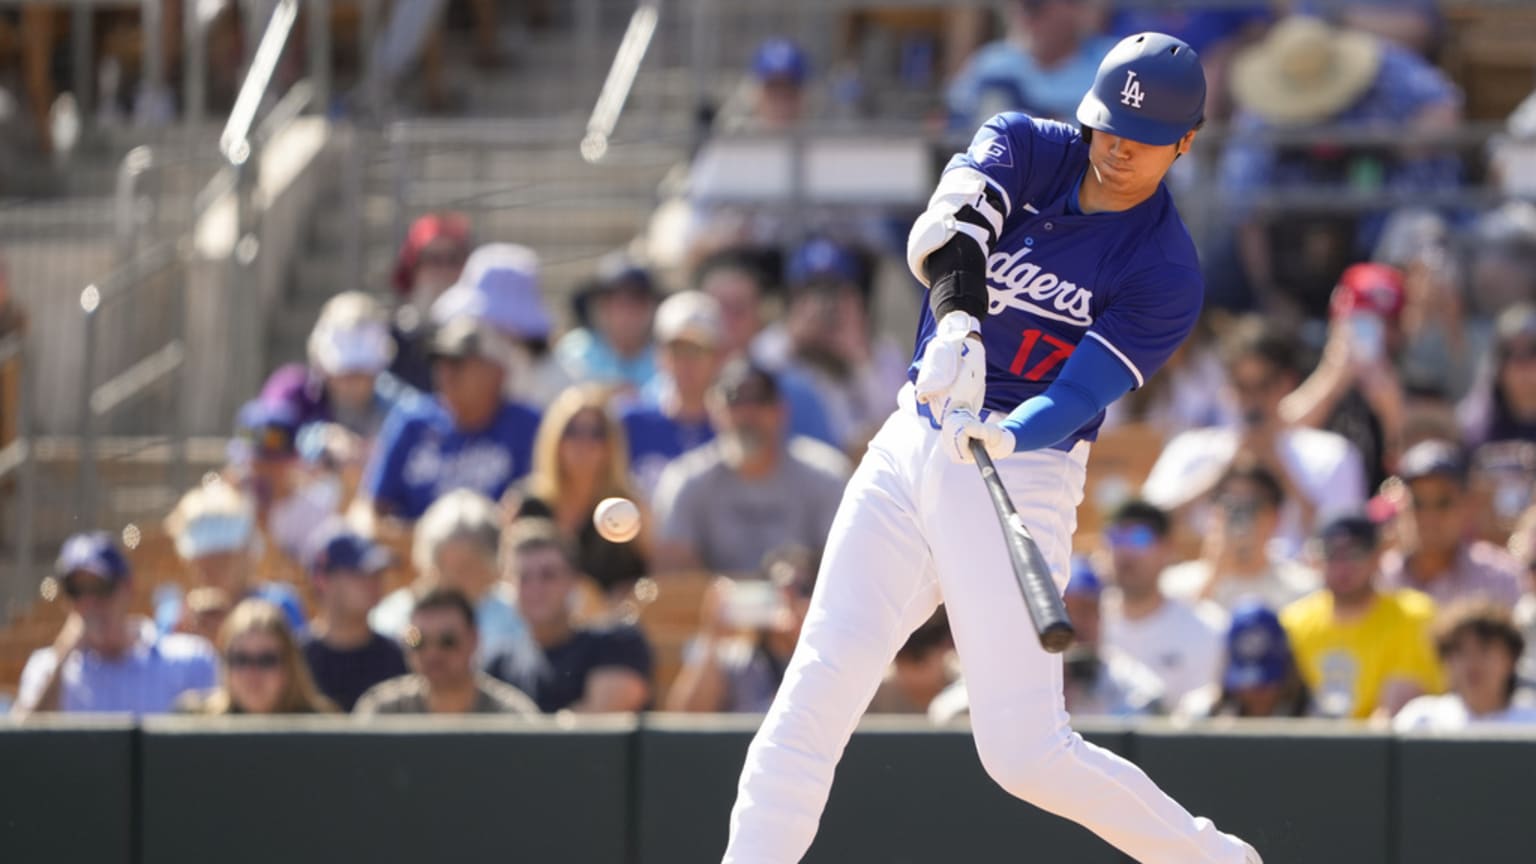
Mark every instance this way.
x=1345 y=553
x=585 y=432
x=1435 y=505
x=1138 y=537
x=76 y=587
x=441 y=258
x=265 y=660
x=1520 y=351
x=419 y=641
x=746 y=396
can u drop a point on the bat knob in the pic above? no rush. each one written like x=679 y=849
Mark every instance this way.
x=1057 y=638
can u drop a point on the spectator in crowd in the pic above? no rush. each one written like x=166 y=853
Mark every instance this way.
x=1436 y=552
x=443 y=643
x=264 y=670
x=340 y=399
x=1502 y=404
x=1214 y=29
x=290 y=494
x=1522 y=547
x=1260 y=677
x=925 y=666
x=1412 y=24
x=726 y=673
x=740 y=285
x=672 y=417
x=725 y=506
x=104 y=659
x=1237 y=562
x=616 y=348
x=1361 y=651
x=1101 y=681
x=206 y=610
x=779 y=73
x=499 y=287
x=1500 y=267
x=583 y=669
x=1357 y=390
x=1306 y=73
x=1190 y=391
x=469 y=436
x=345 y=655
x=1479 y=645
x=214 y=529
x=580 y=458
x=827 y=339
x=1318 y=471
x=1179 y=641
x=455 y=547
x=1042 y=67
x=429 y=262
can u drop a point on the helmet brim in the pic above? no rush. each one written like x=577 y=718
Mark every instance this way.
x=1093 y=114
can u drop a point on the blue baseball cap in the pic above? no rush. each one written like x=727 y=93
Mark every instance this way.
x=1149 y=88
x=272 y=426
x=341 y=548
x=1084 y=582
x=779 y=58
x=93 y=553
x=822 y=259
x=1258 y=652
x=499 y=287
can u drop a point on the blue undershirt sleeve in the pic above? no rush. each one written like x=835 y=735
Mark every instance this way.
x=1089 y=381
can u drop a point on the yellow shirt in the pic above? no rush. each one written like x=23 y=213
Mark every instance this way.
x=1347 y=664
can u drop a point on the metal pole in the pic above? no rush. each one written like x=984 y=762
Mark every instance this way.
x=356 y=167
x=27 y=494
x=84 y=48
x=179 y=377
x=85 y=504
x=319 y=12
x=194 y=66
x=152 y=22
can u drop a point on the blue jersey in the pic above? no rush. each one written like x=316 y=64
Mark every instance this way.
x=421 y=455
x=655 y=439
x=1129 y=280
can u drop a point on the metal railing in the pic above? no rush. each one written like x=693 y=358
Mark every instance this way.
x=621 y=79
x=18 y=466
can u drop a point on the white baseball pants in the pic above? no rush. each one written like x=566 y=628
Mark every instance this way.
x=915 y=528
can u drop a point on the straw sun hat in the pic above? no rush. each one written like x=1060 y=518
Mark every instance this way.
x=1305 y=71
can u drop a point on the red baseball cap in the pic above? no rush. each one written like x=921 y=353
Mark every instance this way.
x=1372 y=288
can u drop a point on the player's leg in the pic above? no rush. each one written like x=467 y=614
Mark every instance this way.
x=1017 y=715
x=876 y=586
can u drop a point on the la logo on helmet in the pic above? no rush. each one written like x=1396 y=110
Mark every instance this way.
x=1132 y=94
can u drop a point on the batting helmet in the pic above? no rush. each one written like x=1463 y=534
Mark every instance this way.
x=1149 y=88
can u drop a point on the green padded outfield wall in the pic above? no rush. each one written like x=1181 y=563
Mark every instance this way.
x=1321 y=799
x=904 y=795
x=1467 y=801
x=486 y=791
x=67 y=792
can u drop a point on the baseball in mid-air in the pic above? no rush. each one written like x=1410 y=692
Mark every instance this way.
x=617 y=520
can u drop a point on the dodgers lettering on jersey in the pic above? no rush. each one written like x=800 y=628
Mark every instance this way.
x=1130 y=280
x=421 y=455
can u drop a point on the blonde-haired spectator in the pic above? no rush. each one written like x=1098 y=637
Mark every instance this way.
x=455 y=546
x=215 y=532
x=264 y=671
x=581 y=457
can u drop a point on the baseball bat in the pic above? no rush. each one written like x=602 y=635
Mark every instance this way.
x=1029 y=568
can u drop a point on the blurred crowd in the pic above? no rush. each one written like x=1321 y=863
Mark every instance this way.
x=1339 y=522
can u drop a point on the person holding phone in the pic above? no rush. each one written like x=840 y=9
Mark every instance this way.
x=1356 y=389
x=747 y=631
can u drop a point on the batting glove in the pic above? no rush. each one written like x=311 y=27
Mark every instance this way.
x=963 y=427
x=953 y=375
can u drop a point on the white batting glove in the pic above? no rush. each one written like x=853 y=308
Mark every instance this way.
x=953 y=375
x=963 y=427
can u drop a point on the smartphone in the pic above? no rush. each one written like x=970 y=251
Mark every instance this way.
x=752 y=604
x=1367 y=337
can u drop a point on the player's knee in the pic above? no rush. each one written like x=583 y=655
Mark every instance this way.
x=1023 y=763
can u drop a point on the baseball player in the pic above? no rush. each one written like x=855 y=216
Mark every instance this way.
x=1059 y=277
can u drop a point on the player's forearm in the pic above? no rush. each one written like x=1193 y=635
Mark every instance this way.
x=1088 y=383
x=957 y=272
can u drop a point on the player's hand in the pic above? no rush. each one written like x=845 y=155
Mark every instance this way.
x=953 y=375
x=962 y=427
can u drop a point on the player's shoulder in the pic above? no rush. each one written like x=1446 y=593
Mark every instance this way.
x=1039 y=129
x=819 y=458
x=1168 y=241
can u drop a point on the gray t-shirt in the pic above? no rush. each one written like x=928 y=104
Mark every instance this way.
x=731 y=523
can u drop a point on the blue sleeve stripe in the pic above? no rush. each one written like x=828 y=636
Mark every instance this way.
x=1131 y=367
